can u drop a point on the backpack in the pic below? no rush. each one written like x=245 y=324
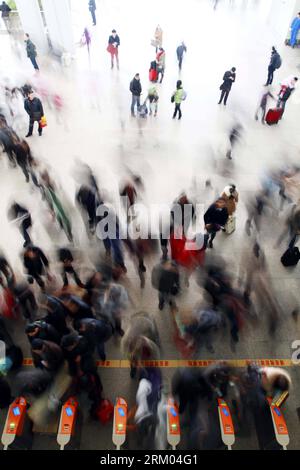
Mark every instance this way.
x=278 y=62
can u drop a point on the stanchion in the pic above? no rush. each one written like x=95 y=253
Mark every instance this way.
x=173 y=425
x=17 y=432
x=67 y=423
x=226 y=424
x=120 y=423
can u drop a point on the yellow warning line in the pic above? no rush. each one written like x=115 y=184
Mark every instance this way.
x=174 y=364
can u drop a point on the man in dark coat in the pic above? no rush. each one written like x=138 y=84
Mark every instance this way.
x=34 y=108
x=21 y=215
x=92 y=8
x=66 y=258
x=215 y=219
x=136 y=90
x=165 y=278
x=228 y=80
x=5 y=11
x=47 y=355
x=56 y=315
x=180 y=51
x=275 y=64
x=97 y=332
x=42 y=330
x=36 y=263
x=31 y=51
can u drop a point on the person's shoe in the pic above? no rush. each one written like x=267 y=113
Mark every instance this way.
x=142 y=268
x=28 y=135
x=210 y=245
x=161 y=305
x=40 y=134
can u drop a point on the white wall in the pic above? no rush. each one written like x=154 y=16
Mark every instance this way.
x=32 y=23
x=59 y=25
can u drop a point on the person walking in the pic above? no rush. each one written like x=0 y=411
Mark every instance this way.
x=180 y=52
x=215 y=219
x=285 y=95
x=31 y=51
x=20 y=214
x=153 y=100
x=5 y=11
x=158 y=37
x=36 y=265
x=178 y=96
x=228 y=80
x=113 y=47
x=295 y=28
x=92 y=8
x=161 y=63
x=275 y=64
x=136 y=90
x=263 y=103
x=34 y=108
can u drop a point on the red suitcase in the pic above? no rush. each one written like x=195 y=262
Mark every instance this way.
x=153 y=75
x=273 y=116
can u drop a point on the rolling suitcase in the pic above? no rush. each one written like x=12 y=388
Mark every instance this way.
x=153 y=75
x=273 y=116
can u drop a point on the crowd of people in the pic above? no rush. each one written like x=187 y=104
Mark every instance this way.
x=68 y=322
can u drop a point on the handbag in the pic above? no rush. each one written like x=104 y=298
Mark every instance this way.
x=43 y=121
x=105 y=411
x=111 y=49
x=172 y=98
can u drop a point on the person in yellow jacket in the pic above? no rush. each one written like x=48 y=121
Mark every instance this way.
x=178 y=96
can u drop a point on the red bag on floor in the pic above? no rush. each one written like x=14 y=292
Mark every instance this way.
x=105 y=411
x=8 y=304
x=273 y=116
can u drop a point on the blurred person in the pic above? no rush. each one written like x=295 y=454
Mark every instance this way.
x=23 y=157
x=56 y=314
x=231 y=196
x=275 y=64
x=158 y=37
x=25 y=299
x=34 y=108
x=42 y=330
x=21 y=215
x=292 y=225
x=136 y=90
x=178 y=96
x=92 y=8
x=264 y=103
x=5 y=394
x=113 y=46
x=153 y=100
x=217 y=377
x=275 y=381
x=141 y=341
x=161 y=63
x=6 y=271
x=285 y=95
x=201 y=326
x=234 y=137
x=228 y=79
x=66 y=258
x=36 y=265
x=215 y=219
x=256 y=205
x=165 y=278
x=295 y=28
x=31 y=51
x=97 y=332
x=76 y=309
x=188 y=213
x=46 y=355
x=113 y=302
x=181 y=49
x=5 y=12
x=87 y=199
x=32 y=382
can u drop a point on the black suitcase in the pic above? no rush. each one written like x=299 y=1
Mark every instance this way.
x=291 y=257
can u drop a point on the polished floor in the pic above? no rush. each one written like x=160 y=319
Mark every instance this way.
x=95 y=126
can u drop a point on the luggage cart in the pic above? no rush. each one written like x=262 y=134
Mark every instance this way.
x=17 y=432
x=120 y=423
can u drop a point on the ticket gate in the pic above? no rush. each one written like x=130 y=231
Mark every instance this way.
x=173 y=424
x=279 y=424
x=226 y=424
x=67 y=435
x=120 y=423
x=17 y=432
